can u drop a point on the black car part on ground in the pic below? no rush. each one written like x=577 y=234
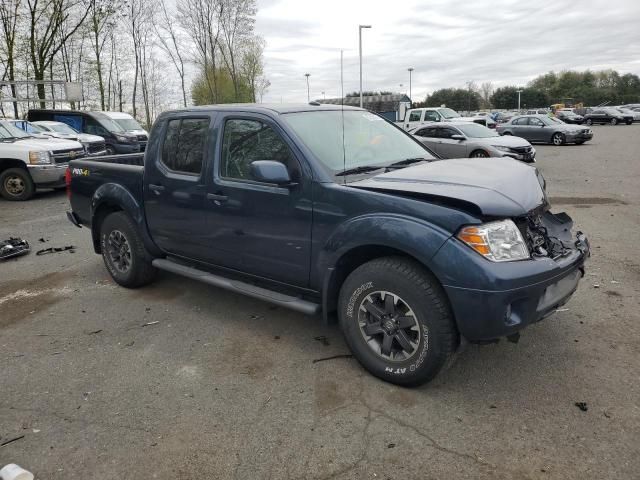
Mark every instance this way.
x=14 y=247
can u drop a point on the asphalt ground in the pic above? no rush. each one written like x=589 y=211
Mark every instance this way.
x=223 y=386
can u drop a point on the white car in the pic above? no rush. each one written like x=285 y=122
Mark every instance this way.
x=130 y=125
x=27 y=162
x=419 y=116
x=93 y=144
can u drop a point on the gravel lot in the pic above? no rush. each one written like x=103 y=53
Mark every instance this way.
x=223 y=386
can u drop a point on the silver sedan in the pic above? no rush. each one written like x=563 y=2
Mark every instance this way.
x=465 y=139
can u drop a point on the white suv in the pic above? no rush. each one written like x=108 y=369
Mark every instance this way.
x=27 y=162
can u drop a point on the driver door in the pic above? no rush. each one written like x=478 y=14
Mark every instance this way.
x=449 y=147
x=258 y=228
x=538 y=130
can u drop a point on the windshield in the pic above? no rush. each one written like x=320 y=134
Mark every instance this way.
x=107 y=123
x=128 y=123
x=63 y=128
x=448 y=113
x=9 y=131
x=475 y=130
x=368 y=139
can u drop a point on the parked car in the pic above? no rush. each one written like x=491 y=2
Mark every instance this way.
x=420 y=116
x=27 y=127
x=568 y=116
x=503 y=117
x=93 y=144
x=545 y=129
x=323 y=209
x=116 y=139
x=464 y=139
x=538 y=111
x=131 y=125
x=627 y=112
x=607 y=115
x=27 y=162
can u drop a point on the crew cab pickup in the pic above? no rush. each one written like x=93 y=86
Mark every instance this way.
x=336 y=211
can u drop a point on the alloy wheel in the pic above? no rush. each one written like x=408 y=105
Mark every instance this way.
x=119 y=251
x=389 y=326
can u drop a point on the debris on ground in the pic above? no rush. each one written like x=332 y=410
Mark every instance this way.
x=582 y=406
x=346 y=355
x=323 y=340
x=45 y=251
x=11 y=440
x=150 y=323
x=14 y=247
x=391 y=445
x=42 y=240
x=94 y=332
x=596 y=285
x=130 y=344
x=15 y=472
x=562 y=310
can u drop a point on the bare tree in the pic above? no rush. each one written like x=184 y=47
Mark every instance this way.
x=46 y=19
x=168 y=32
x=236 y=20
x=252 y=68
x=101 y=21
x=9 y=11
x=486 y=90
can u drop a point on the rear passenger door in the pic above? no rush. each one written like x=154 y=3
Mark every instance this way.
x=175 y=185
x=259 y=228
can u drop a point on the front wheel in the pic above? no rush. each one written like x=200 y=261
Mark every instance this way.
x=124 y=253
x=614 y=121
x=629 y=122
x=557 y=139
x=396 y=319
x=110 y=150
x=16 y=184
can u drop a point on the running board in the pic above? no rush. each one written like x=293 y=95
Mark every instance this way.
x=294 y=303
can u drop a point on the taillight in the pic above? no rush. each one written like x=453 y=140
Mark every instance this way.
x=67 y=181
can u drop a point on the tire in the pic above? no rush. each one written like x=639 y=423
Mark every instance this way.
x=110 y=150
x=588 y=121
x=123 y=252
x=614 y=121
x=417 y=300
x=629 y=122
x=16 y=184
x=557 y=139
x=478 y=154
x=507 y=133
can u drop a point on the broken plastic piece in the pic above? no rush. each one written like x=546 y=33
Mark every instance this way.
x=14 y=247
x=15 y=472
x=55 y=250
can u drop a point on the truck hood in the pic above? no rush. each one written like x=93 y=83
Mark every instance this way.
x=493 y=187
x=46 y=143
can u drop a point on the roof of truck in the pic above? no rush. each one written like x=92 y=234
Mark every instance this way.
x=267 y=107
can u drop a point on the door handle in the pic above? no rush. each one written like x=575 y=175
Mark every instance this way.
x=157 y=189
x=217 y=198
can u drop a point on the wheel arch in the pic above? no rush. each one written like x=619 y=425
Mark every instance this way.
x=6 y=163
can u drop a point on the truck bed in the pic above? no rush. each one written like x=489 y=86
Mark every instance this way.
x=121 y=173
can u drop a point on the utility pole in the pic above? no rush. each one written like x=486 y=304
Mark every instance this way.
x=410 y=69
x=469 y=97
x=519 y=92
x=307 y=75
x=360 y=27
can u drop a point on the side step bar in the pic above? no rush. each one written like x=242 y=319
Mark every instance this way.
x=287 y=301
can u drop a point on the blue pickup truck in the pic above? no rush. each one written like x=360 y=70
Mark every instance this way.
x=335 y=211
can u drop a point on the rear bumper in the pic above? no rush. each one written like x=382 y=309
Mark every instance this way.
x=499 y=299
x=48 y=176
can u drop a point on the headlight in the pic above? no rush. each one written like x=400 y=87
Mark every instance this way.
x=499 y=241
x=123 y=138
x=502 y=148
x=39 y=158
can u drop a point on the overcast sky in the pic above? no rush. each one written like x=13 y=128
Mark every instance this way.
x=447 y=42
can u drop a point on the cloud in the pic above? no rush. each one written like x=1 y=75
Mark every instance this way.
x=447 y=43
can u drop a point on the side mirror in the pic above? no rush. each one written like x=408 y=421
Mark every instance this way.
x=458 y=137
x=270 y=171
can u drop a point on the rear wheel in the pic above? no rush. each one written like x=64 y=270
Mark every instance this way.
x=396 y=320
x=124 y=253
x=588 y=121
x=557 y=139
x=479 y=154
x=110 y=150
x=16 y=184
x=614 y=121
x=629 y=121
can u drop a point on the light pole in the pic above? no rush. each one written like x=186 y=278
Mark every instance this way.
x=410 y=69
x=360 y=27
x=519 y=92
x=323 y=97
x=307 y=75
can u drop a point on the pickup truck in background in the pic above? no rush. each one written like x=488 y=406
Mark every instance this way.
x=28 y=162
x=420 y=116
x=336 y=211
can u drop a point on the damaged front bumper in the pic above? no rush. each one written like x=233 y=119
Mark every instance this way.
x=493 y=300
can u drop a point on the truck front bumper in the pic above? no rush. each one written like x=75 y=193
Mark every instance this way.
x=495 y=300
x=48 y=176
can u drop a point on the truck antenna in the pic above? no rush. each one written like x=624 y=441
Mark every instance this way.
x=344 y=154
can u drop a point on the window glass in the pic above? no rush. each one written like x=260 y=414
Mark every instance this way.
x=184 y=144
x=431 y=116
x=536 y=122
x=446 y=132
x=414 y=116
x=245 y=141
x=427 y=132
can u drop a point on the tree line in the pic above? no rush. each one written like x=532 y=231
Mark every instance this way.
x=133 y=55
x=570 y=87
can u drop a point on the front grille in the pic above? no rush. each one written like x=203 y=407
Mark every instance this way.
x=64 y=156
x=96 y=147
x=521 y=150
x=142 y=138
